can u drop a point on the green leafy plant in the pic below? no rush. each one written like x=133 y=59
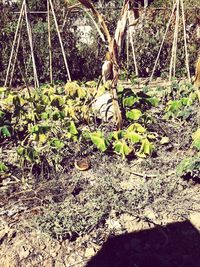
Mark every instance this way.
x=189 y=167
x=196 y=139
x=3 y=167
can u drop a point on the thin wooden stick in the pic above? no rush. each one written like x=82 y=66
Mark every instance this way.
x=17 y=49
x=60 y=40
x=162 y=43
x=130 y=36
x=127 y=49
x=185 y=42
x=36 y=81
x=134 y=56
x=14 y=42
x=49 y=41
x=174 y=47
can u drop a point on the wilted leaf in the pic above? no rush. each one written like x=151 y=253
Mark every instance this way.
x=133 y=136
x=164 y=140
x=122 y=148
x=99 y=141
x=146 y=148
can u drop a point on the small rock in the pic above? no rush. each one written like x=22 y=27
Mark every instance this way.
x=89 y=252
x=24 y=252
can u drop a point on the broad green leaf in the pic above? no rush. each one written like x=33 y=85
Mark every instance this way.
x=196 y=139
x=72 y=128
x=154 y=101
x=81 y=92
x=3 y=167
x=134 y=114
x=133 y=136
x=136 y=127
x=120 y=88
x=129 y=101
x=99 y=141
x=4 y=131
x=121 y=147
x=117 y=135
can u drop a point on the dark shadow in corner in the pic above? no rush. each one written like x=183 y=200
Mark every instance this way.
x=175 y=245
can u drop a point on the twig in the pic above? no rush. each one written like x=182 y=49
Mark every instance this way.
x=143 y=174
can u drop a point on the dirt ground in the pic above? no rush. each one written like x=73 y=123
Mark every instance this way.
x=135 y=213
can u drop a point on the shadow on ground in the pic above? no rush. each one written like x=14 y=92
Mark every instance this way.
x=175 y=245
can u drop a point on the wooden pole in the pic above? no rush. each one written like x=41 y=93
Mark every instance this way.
x=162 y=43
x=36 y=81
x=127 y=49
x=17 y=49
x=174 y=47
x=14 y=43
x=134 y=56
x=185 y=42
x=49 y=41
x=60 y=40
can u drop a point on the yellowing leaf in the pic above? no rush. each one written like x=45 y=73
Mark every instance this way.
x=42 y=138
x=133 y=136
x=164 y=140
x=146 y=147
x=121 y=147
x=99 y=141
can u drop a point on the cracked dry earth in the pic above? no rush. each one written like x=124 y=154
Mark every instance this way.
x=151 y=220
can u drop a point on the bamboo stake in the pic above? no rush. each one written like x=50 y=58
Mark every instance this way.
x=134 y=56
x=17 y=49
x=127 y=49
x=49 y=41
x=130 y=36
x=14 y=42
x=174 y=47
x=185 y=42
x=60 y=40
x=176 y=35
x=162 y=43
x=36 y=81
